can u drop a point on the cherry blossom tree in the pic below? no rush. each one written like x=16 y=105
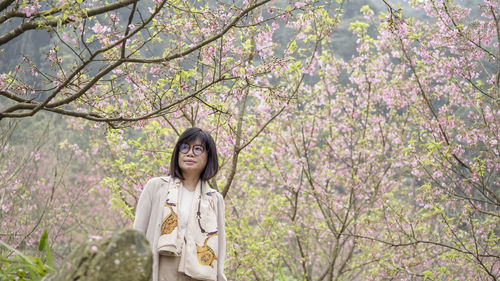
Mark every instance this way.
x=381 y=166
x=268 y=77
x=239 y=84
x=364 y=178
x=46 y=184
x=103 y=56
x=451 y=70
x=392 y=173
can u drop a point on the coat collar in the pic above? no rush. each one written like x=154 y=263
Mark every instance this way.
x=206 y=189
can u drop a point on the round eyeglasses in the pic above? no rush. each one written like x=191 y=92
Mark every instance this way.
x=197 y=149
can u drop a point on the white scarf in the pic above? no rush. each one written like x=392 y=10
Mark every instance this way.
x=199 y=246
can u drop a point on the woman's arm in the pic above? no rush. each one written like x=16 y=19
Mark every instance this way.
x=143 y=209
x=221 y=229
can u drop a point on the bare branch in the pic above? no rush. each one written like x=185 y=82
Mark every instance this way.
x=203 y=43
x=111 y=120
x=35 y=107
x=5 y=3
x=33 y=24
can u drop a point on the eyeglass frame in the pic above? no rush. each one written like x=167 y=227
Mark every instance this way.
x=191 y=148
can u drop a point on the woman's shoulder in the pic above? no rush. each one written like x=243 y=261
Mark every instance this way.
x=212 y=192
x=219 y=198
x=155 y=182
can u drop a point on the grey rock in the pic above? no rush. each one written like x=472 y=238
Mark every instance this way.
x=126 y=255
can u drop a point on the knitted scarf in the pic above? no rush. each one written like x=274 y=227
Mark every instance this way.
x=198 y=248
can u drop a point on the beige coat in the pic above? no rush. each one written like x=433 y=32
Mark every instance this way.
x=148 y=218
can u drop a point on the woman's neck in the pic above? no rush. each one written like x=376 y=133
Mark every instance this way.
x=190 y=181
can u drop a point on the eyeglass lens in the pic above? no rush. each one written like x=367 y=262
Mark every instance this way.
x=197 y=149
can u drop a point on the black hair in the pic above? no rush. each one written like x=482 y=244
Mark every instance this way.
x=190 y=135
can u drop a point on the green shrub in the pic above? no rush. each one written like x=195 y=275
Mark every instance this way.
x=15 y=265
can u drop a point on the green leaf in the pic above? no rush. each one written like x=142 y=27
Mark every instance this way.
x=358 y=26
x=292 y=46
x=50 y=261
x=428 y=274
x=365 y=8
x=43 y=241
x=21 y=255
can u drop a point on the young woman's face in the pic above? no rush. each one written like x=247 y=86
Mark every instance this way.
x=192 y=158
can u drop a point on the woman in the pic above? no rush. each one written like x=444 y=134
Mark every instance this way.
x=182 y=217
